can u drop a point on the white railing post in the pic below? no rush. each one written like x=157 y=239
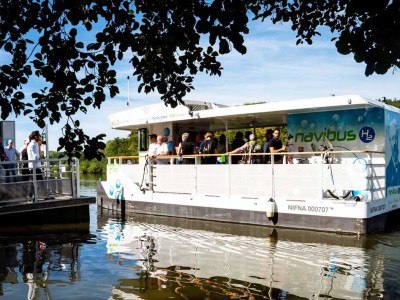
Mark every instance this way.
x=34 y=181
x=196 y=165
x=321 y=178
x=370 y=172
x=72 y=171
x=77 y=170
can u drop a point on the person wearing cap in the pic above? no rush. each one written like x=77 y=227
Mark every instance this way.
x=152 y=148
x=186 y=147
x=248 y=148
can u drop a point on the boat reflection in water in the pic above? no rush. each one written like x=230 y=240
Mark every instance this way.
x=177 y=258
x=40 y=260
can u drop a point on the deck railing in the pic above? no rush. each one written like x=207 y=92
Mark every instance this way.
x=18 y=183
x=312 y=172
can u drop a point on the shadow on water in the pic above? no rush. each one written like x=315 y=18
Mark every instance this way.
x=194 y=259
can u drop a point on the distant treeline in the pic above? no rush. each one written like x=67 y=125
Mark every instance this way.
x=393 y=102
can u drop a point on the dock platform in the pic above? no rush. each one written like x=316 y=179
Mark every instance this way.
x=54 y=198
x=49 y=211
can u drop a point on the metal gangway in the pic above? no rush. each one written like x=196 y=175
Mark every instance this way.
x=19 y=183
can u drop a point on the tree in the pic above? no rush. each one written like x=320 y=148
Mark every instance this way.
x=163 y=39
x=123 y=146
x=393 y=102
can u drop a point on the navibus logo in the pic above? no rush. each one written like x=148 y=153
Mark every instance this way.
x=330 y=135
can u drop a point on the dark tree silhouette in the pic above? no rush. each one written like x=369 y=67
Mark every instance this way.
x=164 y=43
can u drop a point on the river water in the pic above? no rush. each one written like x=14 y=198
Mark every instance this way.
x=145 y=257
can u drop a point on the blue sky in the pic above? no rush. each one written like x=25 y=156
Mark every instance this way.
x=273 y=69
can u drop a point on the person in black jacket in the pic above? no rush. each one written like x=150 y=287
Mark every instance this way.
x=276 y=146
x=186 y=147
x=237 y=143
x=208 y=147
x=24 y=166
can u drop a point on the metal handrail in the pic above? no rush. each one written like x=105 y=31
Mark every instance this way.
x=60 y=178
x=132 y=157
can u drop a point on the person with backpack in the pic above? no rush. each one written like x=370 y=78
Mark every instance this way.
x=24 y=168
x=186 y=147
x=208 y=146
x=250 y=147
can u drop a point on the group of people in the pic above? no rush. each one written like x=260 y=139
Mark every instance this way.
x=273 y=144
x=214 y=150
x=29 y=151
x=208 y=145
x=158 y=148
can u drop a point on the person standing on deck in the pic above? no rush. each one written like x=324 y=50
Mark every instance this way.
x=11 y=169
x=186 y=147
x=198 y=140
x=237 y=143
x=276 y=146
x=250 y=147
x=152 y=148
x=268 y=136
x=208 y=147
x=162 y=150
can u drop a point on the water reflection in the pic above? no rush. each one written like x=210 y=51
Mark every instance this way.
x=38 y=262
x=148 y=257
x=188 y=262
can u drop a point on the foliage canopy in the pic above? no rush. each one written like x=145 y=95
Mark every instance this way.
x=164 y=43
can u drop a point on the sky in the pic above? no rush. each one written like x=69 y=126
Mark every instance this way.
x=273 y=69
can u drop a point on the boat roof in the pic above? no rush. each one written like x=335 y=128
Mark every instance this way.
x=218 y=116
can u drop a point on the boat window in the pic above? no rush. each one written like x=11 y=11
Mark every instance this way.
x=143 y=139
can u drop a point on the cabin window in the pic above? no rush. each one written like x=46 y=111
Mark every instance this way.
x=143 y=139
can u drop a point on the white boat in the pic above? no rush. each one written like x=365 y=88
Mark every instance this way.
x=352 y=186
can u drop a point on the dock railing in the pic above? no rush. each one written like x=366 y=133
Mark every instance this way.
x=59 y=179
x=309 y=174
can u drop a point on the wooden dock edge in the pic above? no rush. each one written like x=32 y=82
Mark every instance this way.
x=51 y=211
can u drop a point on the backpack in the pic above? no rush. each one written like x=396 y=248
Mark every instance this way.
x=207 y=147
x=247 y=159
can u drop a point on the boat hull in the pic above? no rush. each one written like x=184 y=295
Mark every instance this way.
x=298 y=220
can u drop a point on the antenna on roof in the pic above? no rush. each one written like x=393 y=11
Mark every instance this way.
x=128 y=103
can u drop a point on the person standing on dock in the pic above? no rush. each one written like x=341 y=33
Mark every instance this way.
x=2 y=156
x=34 y=154
x=24 y=168
x=11 y=169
